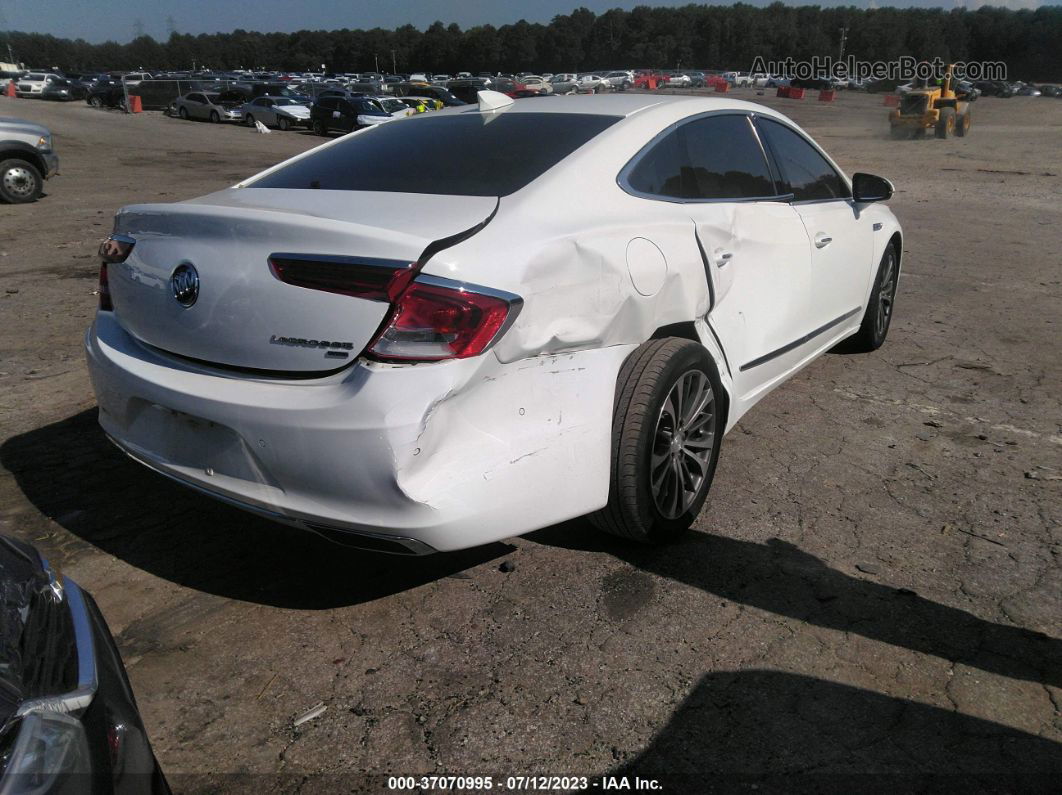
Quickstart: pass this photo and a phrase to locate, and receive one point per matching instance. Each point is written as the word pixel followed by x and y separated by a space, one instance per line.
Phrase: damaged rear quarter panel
pixel 577 289
pixel 527 439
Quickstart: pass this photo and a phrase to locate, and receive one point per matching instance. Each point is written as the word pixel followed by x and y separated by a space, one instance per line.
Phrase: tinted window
pixel 464 155
pixel 716 157
pixel 806 173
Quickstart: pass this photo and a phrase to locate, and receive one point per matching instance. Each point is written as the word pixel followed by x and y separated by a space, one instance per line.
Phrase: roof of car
pixel 620 104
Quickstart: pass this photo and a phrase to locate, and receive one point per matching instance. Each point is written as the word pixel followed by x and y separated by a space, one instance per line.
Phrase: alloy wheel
pixel 683 444
pixel 885 294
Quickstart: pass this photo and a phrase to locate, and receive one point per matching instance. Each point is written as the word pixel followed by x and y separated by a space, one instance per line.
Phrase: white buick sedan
pixel 432 335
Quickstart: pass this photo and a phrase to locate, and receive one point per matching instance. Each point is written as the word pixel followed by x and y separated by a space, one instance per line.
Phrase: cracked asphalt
pixel 872 597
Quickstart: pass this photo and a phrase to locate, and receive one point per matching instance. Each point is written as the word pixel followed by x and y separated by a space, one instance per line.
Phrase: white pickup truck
pixel 26 160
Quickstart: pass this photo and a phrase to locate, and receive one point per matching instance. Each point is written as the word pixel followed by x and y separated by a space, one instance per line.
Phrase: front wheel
pixel 215 117
pixel 284 123
pixel 946 123
pixel 96 102
pixel 319 129
pixel 249 120
pixel 20 181
pixel 666 431
pixel 183 113
pixel 878 314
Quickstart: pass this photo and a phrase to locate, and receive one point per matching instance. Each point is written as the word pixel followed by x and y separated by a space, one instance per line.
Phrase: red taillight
pixel 104 290
pixel 371 280
pixel 435 320
pixel 114 249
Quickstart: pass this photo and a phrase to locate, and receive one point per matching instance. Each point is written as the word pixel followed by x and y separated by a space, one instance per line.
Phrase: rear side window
pixel 805 173
pixel 714 157
pixel 466 154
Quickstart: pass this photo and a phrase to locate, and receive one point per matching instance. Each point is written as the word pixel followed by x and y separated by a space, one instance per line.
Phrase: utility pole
pixel 377 59
pixel 394 63
pixel 844 38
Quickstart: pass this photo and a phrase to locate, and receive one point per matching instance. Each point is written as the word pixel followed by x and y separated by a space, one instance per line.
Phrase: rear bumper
pixel 429 457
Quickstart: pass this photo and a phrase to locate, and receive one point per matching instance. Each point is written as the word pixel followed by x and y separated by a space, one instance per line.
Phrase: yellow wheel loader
pixel 932 107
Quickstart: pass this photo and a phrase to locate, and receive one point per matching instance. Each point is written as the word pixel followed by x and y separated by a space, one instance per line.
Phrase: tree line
pixel 691 36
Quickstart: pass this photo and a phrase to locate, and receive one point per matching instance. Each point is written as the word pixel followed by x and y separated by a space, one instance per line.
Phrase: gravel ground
pixel 873 587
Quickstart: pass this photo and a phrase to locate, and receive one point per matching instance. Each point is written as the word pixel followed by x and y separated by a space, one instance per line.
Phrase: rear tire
pixel 666 430
pixel 20 181
pixel 878 315
pixel 946 123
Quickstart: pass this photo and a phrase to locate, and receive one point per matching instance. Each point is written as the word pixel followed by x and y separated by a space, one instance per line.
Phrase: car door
pixel 324 111
pixel 348 115
pixel 265 108
pixel 193 103
pixel 755 251
pixel 841 237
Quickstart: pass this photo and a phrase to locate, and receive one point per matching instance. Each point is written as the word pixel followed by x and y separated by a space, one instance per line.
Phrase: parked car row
pixel 161 91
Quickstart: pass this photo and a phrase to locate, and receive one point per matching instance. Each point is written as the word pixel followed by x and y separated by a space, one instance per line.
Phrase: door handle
pixel 822 240
pixel 722 257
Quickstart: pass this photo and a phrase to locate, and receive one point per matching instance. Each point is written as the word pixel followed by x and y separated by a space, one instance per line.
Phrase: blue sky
pixel 98 20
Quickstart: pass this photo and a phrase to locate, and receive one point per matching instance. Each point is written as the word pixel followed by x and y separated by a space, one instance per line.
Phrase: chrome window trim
pixel 771 165
pixel 623 178
pixel 829 160
pixel 87 678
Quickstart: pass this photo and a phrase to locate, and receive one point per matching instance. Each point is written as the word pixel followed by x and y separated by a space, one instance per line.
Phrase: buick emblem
pixel 185 284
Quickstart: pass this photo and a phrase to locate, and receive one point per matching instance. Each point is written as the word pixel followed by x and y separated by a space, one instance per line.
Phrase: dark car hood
pixel 38 655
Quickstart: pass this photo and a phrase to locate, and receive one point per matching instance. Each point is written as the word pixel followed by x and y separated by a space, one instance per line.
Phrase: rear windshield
pixel 466 154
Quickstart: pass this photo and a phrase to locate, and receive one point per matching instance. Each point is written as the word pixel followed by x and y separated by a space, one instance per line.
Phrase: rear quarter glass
pixel 459 155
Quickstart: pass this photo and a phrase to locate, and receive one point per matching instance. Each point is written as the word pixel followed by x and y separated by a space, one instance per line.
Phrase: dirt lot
pixel 873 587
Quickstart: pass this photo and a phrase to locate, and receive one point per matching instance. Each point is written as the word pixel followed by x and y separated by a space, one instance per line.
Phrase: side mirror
pixel 868 188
